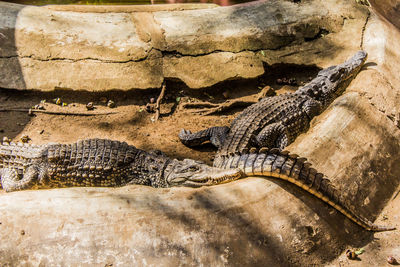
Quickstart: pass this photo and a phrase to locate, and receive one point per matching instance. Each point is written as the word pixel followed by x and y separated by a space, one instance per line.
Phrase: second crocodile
pixel 275 122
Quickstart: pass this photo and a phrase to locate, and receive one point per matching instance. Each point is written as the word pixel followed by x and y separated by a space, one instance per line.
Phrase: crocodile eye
pixel 193 168
pixel 336 76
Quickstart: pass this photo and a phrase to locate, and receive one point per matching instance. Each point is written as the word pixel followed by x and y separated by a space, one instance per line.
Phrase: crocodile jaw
pixel 213 177
pixel 195 174
pixel 341 75
pixel 331 82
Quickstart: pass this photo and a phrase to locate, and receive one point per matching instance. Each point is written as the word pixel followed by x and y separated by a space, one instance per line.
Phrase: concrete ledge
pixel 174 40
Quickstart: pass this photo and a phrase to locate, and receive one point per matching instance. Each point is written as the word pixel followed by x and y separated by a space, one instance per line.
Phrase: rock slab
pixel 87 48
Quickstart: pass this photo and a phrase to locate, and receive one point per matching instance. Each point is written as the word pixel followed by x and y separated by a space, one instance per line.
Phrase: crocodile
pixel 275 122
pixel 282 165
pixel 107 163
pixel 100 163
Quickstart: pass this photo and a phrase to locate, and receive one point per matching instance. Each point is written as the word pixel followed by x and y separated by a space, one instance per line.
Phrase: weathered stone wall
pixel 46 48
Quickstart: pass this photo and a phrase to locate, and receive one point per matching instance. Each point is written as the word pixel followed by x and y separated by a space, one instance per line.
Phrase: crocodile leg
pixel 10 178
pixel 312 108
pixel 273 136
pixel 216 135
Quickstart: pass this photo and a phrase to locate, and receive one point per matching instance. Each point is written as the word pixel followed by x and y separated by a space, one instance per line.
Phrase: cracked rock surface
pixel 47 48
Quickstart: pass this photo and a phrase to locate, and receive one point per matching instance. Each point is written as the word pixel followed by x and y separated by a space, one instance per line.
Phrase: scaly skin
pixel 275 122
pixel 106 163
pixel 100 162
pixel 297 171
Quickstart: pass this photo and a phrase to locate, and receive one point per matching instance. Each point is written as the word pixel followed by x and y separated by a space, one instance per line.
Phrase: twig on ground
pixel 207 108
pixel 158 102
pixel 211 108
pixel 31 111
pixel 395 195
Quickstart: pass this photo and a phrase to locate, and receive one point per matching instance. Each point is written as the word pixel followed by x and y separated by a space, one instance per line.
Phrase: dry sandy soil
pixel 131 122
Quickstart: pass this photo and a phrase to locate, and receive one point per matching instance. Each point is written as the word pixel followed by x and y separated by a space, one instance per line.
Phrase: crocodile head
pixel 193 173
pixel 331 82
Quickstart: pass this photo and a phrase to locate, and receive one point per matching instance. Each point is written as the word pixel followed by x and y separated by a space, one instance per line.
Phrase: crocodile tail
pixel 296 170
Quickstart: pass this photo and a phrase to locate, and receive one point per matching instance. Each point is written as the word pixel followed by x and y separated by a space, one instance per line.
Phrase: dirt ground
pixel 130 121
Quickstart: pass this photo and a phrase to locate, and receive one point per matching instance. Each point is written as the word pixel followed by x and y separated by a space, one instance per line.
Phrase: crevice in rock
pixel 171 53
pixel 76 60
pixel 6 57
pixel 177 54
pixel 363 30
pixel 165 53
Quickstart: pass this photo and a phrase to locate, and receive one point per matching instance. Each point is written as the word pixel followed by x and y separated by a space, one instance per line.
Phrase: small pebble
pixel 286 81
pixel 39 106
pixel 22 232
pixel 152 100
pixel 351 254
pixel 25 139
pixel 90 106
pixel 392 260
pixel 266 91
pixel 292 81
pixel 6 140
pixel 150 107
pixel 225 94
pixel 111 104
pixel 58 101
pixel 41 132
